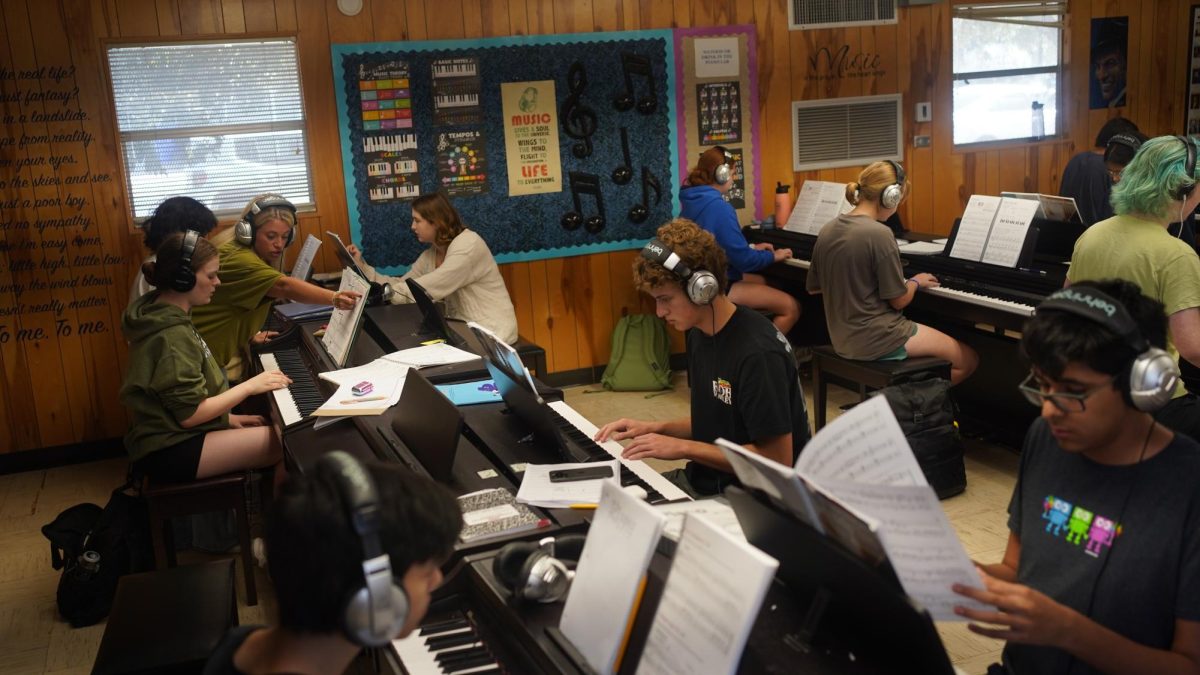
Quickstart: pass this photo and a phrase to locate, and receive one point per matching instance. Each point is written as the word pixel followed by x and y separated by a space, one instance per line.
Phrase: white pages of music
pixel 304 260
pixel 817 203
pixel 343 323
pixel 610 577
pixel 709 603
pixel 993 229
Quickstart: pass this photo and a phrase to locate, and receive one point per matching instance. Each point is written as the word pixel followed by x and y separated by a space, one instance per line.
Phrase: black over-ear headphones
pixel 892 194
pixel 724 171
pixel 1153 374
pixel 701 285
pixel 375 612
pixel 184 278
pixel 1189 166
pixel 539 571
pixel 244 231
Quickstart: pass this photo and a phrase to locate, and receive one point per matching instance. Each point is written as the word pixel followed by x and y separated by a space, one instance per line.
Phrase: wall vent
pixel 808 14
pixel 846 131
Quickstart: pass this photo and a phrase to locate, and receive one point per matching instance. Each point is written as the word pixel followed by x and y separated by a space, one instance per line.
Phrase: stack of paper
pixel 440 354
pixel 384 394
pixel 538 490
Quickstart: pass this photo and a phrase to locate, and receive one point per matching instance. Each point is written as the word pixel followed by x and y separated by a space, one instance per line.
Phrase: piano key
pixel 798 262
pixel 466 653
pixel 1020 309
pixel 648 478
pixel 299 399
pixel 288 412
pixel 443 626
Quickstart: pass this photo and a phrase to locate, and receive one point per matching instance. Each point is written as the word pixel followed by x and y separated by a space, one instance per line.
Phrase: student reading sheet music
pixel 862 462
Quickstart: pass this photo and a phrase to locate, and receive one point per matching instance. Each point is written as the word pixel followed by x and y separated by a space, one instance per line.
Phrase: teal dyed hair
pixel 1152 178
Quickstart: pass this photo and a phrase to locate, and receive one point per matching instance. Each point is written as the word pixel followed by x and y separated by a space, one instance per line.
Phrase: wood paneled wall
pixel 62 388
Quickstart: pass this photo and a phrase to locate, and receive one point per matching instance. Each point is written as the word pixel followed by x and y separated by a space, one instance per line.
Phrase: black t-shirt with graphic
pixel 1071 513
pixel 745 387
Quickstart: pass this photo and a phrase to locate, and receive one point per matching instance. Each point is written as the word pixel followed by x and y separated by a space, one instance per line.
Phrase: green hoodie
pixel 171 372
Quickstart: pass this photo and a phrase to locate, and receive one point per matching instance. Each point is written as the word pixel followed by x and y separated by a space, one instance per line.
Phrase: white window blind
pixel 217 121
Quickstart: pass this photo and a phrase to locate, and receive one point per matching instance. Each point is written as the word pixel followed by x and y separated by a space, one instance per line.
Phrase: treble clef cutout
pixel 636 64
pixel 578 120
pixel 584 184
pixel 638 213
pixel 624 173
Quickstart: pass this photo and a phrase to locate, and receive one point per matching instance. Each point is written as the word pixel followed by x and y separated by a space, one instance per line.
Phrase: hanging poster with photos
pixel 1191 112
pixel 737 194
pixel 456 92
pixel 461 166
pixel 719 114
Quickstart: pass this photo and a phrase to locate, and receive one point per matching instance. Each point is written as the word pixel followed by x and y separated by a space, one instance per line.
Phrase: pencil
pixel 584 506
pixel 351 401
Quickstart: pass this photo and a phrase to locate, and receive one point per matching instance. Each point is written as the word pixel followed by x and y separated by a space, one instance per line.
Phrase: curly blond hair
pixel 696 247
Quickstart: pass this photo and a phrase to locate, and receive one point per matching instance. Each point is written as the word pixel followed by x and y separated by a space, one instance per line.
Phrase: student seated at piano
pixel 173 215
pixel 1157 188
pixel 856 268
pixel 1102 569
pixel 1088 176
pixel 250 282
pixel 457 269
pixel 745 385
pixel 702 199
pixel 177 395
pixel 319 545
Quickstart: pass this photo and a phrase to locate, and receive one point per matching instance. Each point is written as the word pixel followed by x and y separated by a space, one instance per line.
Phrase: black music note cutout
pixel 584 184
pixel 578 120
pixel 624 173
pixel 640 212
pixel 636 64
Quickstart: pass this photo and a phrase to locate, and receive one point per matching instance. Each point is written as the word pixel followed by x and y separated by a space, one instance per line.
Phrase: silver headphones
pixel 376 612
pixel 892 194
pixel 245 229
pixel 701 285
pixel 724 172
pixel 1153 375
pixel 539 571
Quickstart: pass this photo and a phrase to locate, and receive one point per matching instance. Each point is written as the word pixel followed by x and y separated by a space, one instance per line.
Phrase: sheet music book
pixel 344 403
pixel 993 230
pixel 867 492
pixel 304 261
pixel 817 203
pixel 343 323
pixel 1050 207
pixel 709 603
pixel 607 588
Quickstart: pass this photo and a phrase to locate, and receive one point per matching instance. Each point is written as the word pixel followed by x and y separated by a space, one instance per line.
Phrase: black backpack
pixel 94 547
pixel 925 412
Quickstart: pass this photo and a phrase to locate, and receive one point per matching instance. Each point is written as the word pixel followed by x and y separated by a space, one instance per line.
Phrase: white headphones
pixel 892 194
pixel 701 285
pixel 724 172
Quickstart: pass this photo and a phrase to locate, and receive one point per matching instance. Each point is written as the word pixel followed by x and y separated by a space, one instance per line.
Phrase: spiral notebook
pixel 495 513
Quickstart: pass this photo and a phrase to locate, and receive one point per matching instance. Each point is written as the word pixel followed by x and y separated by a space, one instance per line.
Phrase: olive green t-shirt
pixel 856 267
pixel 240 305
pixel 1141 251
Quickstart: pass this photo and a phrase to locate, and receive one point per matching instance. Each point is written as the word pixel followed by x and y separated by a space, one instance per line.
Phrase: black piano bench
pixel 863 376
pixel 219 493
pixel 168 621
pixel 533 356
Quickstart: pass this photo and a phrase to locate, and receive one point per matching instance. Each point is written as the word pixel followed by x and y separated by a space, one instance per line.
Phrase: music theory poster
pixel 456 92
pixel 531 137
pixel 391 166
pixel 461 165
pixel 385 96
pixel 719 113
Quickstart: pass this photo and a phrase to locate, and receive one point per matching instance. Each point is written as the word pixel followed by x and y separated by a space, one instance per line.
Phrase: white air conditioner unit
pixel 849 131
pixel 808 14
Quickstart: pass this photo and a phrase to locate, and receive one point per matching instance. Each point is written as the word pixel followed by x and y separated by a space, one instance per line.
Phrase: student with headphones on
pixel 173 215
pixel 856 267
pixel 354 552
pixel 702 198
pixel 179 401
pixel 250 281
pixel 745 385
pixel 1089 176
pixel 1102 569
pixel 1157 188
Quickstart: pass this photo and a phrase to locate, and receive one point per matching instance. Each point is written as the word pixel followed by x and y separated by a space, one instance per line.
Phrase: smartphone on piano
pixel 582 473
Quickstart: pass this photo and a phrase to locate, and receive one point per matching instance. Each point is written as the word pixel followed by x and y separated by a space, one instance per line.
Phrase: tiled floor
pixel 34 640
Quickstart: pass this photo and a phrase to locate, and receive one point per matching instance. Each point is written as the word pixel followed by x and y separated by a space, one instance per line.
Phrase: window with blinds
pixel 850 131
pixel 1007 60
pixel 217 121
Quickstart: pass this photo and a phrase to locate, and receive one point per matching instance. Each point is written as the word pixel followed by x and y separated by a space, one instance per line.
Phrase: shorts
pixel 899 353
pixel 175 463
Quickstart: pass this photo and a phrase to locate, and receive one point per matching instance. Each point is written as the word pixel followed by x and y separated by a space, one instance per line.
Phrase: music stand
pixel 429 424
pixel 433 322
pixel 379 293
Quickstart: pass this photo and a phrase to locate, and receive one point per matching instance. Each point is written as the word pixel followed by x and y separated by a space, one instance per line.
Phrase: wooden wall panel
pixel 62 389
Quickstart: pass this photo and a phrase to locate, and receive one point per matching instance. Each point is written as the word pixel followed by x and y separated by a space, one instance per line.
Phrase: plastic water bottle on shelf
pixel 1039 121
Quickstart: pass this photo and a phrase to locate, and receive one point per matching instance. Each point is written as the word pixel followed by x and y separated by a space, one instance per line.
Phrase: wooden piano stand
pixel 863 376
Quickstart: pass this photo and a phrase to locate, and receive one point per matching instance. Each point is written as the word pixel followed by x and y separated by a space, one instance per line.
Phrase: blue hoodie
pixel 704 205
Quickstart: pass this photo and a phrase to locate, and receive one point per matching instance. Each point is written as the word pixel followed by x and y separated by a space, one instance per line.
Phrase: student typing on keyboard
pixel 856 268
pixel 745 385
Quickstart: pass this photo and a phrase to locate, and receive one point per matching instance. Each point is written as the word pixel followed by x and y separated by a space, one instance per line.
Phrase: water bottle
pixel 1039 121
pixel 783 203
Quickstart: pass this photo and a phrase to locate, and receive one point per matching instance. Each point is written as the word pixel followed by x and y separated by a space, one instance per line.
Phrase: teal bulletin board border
pixel 338 51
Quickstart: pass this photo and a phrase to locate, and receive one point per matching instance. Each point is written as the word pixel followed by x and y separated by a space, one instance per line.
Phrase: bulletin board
pixel 416 117
pixel 717 104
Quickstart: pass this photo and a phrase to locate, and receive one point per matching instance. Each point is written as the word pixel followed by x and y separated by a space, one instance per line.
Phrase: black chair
pixel 865 376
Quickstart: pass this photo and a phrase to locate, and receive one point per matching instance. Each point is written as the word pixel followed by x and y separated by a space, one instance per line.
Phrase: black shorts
pixel 175 463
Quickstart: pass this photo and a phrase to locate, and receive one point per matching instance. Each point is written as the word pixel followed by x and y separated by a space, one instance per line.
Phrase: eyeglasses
pixel 1065 401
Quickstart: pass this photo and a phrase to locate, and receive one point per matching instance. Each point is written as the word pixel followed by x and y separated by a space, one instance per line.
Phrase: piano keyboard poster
pixel 457 116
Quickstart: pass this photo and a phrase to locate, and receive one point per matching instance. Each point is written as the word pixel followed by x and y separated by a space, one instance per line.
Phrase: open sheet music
pixel 858 483
pixel 994 229
pixel 818 203
pixel 343 323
